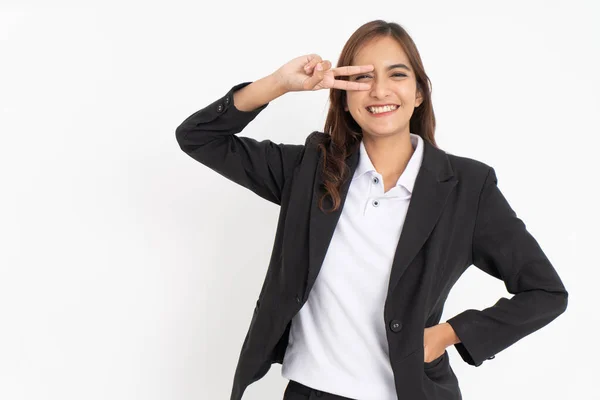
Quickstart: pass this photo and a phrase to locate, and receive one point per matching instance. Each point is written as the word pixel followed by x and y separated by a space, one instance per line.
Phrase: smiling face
pixel 396 86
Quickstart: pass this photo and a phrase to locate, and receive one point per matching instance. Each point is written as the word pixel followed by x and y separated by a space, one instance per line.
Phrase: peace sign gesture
pixel 303 73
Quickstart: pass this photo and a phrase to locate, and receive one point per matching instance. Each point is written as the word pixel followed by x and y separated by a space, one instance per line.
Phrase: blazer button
pixel 395 325
pixel 220 108
pixel 491 357
pixel 226 100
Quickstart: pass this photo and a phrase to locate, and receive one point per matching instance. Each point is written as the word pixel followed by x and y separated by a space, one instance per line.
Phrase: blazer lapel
pixel 435 180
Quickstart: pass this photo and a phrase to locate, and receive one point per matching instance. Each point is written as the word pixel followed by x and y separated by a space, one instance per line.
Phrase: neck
pixel 389 154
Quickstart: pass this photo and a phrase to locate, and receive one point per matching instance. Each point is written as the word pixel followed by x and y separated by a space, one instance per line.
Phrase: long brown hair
pixel 342 133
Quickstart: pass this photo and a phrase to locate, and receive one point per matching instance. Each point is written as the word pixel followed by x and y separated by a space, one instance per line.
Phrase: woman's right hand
pixel 302 73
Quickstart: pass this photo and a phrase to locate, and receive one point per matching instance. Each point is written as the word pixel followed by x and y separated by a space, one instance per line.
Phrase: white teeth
pixel 377 110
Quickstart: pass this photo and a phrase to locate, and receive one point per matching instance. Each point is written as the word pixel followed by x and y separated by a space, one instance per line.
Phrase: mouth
pixel 382 111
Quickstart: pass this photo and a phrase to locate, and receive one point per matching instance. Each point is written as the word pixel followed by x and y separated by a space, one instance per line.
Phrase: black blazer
pixel 457 217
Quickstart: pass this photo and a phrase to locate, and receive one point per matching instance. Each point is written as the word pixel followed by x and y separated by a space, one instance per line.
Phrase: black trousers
pixel 297 391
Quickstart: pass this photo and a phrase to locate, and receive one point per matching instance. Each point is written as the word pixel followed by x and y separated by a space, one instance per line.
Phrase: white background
pixel 130 271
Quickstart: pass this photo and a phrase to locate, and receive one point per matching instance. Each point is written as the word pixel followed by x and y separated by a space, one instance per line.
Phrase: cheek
pixel 354 106
pixel 408 95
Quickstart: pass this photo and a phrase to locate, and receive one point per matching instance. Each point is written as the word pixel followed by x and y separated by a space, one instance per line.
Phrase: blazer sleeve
pixel 502 247
pixel 209 137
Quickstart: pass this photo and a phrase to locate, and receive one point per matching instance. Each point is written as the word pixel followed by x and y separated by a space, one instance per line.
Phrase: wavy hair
pixel 342 133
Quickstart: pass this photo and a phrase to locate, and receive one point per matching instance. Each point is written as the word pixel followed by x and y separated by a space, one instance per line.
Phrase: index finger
pixel 351 69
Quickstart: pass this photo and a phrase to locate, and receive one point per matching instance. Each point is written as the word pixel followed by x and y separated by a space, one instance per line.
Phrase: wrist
pixel 277 84
pixel 451 336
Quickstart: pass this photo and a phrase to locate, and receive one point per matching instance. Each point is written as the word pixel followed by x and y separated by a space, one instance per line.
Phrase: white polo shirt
pixel 338 340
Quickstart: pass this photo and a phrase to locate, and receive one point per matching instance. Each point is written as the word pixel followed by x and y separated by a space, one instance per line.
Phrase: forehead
pixel 381 50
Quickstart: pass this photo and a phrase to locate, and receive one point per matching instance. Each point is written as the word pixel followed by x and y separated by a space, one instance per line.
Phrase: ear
pixel 418 99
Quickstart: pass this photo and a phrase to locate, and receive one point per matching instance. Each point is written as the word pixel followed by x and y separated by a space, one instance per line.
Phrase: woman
pixel 376 225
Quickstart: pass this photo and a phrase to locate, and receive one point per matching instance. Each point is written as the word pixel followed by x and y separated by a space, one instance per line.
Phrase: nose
pixel 379 88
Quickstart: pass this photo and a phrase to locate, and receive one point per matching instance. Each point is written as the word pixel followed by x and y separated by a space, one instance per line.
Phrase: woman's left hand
pixel 436 339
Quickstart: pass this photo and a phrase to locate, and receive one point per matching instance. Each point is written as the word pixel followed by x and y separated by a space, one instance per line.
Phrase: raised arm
pixel 209 137
pixel 503 248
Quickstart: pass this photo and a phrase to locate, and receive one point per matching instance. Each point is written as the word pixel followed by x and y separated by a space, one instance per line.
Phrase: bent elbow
pixel 563 301
pixel 180 135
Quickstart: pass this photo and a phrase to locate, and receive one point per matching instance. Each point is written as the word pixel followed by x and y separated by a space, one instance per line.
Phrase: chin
pixel 382 130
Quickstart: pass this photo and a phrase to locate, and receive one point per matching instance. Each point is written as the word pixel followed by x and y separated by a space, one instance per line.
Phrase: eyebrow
pixel 397 66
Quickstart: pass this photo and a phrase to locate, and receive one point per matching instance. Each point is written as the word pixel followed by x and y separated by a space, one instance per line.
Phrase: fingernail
pixel 319 67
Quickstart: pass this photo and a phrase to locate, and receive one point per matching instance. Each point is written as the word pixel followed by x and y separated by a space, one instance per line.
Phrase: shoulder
pixel 314 138
pixel 469 170
pixel 463 163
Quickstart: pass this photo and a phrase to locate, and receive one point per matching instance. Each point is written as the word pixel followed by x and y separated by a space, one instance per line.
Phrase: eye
pixel 360 76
